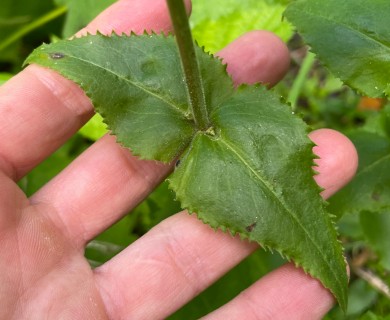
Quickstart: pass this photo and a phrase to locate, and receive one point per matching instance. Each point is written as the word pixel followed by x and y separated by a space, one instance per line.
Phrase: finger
pixel 83 194
pixel 98 188
pixel 286 293
pixel 181 257
pixel 137 16
pixel 263 58
pixel 342 169
pixel 172 262
pixel 40 110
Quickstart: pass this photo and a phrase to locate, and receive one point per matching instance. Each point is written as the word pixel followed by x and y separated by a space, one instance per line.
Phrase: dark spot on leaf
pixel 148 66
pixel 251 227
pixel 56 55
pixel 177 163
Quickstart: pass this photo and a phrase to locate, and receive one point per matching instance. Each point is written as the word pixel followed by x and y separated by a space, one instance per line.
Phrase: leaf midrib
pixel 242 159
pixel 135 84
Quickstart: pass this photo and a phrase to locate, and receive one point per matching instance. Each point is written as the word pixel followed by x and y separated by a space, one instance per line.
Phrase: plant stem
pixel 375 281
pixel 32 26
pixel 300 79
pixel 189 62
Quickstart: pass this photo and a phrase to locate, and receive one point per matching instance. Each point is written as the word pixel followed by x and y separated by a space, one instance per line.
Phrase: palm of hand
pixel 44 275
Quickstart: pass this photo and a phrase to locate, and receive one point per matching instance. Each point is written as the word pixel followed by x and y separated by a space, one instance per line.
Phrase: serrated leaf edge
pixel 285 255
pixel 193 210
pixel 347 82
pixel 135 153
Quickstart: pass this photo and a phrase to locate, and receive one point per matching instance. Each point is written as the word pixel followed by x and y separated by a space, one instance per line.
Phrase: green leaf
pixel 349 226
pixel 370 188
pixel 94 129
pixel 351 37
pixel 250 159
pixel 249 172
pixel 80 13
pixel 371 316
pixel 379 122
pixel 16 14
pixel 140 84
pixel 214 26
pixel 14 17
pixel 376 228
pixel 4 77
pixel 361 297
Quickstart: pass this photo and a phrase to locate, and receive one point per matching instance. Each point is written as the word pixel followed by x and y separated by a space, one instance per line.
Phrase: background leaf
pixel 370 188
pixel 4 77
pixel 80 13
pixel 94 129
pixel 215 25
pixel 371 316
pixel 351 37
pixel 16 14
pixel 159 205
pixel 376 228
pixel 361 297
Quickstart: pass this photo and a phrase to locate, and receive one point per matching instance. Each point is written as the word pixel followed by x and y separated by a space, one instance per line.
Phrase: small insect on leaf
pixel 251 227
pixel 56 55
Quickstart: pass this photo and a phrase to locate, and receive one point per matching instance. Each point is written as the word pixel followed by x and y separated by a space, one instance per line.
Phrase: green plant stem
pixel 32 26
pixel 300 79
pixel 189 61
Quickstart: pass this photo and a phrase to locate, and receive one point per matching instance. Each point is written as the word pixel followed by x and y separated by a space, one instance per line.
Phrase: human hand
pixel 43 272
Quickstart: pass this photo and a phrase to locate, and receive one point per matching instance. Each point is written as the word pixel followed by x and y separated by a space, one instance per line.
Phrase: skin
pixel 43 272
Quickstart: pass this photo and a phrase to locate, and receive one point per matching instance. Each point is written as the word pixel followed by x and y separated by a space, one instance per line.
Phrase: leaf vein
pixel 242 159
pixel 135 84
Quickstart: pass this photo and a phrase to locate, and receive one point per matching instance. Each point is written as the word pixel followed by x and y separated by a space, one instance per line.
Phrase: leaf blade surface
pixel 370 188
pixel 99 64
pixel 237 165
pixel 351 37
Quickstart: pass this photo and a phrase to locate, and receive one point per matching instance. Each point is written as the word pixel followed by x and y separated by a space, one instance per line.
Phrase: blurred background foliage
pixel 362 208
